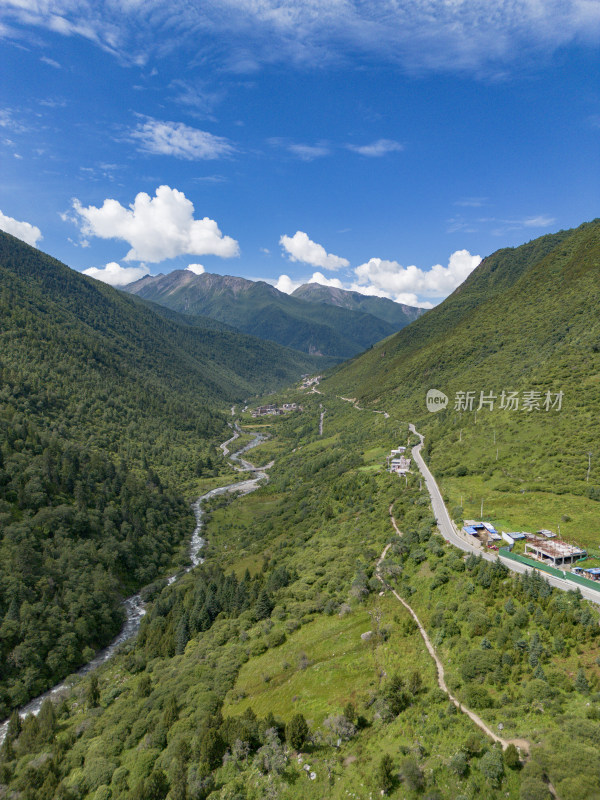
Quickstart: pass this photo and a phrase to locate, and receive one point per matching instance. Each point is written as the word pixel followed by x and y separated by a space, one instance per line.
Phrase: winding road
pixel 450 533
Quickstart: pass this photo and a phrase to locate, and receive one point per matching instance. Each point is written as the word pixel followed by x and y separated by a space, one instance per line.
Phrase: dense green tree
pixel 385 774
pixel 93 691
pixel 296 731
pixel 511 757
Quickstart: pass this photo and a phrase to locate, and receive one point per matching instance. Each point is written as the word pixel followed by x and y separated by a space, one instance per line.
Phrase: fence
pixel 570 576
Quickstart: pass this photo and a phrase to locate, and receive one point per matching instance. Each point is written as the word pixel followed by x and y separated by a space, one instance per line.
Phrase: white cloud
pixel 116 275
pixel 22 230
pixel 157 227
pixel 377 149
pixel 406 298
pixel 300 248
pixel 197 269
pixel 425 34
pixel 286 285
pixel 411 282
pixel 541 221
pixel 51 62
pixel 179 140
pixel 318 277
pixel 308 152
pixel 305 152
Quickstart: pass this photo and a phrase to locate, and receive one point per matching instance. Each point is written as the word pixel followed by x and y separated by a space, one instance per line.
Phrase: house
pixel 400 465
pixel 556 553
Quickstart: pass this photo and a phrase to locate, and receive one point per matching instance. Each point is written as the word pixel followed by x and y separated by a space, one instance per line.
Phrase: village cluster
pixel 307 381
pixel 273 410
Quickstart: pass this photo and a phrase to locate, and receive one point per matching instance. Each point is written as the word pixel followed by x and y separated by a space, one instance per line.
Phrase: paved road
pixel 450 535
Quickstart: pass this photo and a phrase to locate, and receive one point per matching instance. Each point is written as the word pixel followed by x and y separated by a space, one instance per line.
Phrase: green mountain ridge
pixel 282 667
pixel 524 321
pixel 397 314
pixel 109 411
pixel 259 309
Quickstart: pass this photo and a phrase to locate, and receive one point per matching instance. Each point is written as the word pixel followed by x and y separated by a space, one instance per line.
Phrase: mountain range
pixel 109 408
pixel 325 322
pixel 281 666
pixel 397 314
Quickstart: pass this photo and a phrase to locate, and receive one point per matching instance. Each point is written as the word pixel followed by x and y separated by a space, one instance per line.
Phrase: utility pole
pixel 587 477
pixel 460 436
pixel 494 437
pixel 482 508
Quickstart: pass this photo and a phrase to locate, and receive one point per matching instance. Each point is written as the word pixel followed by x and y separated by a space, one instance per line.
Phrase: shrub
pixel 511 757
pixel 413 775
pixel 492 766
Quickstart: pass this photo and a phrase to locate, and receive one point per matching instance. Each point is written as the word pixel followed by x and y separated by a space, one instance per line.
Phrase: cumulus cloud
pixel 197 269
pixel 377 149
pixel 22 230
pixel 300 248
pixel 287 285
pixel 156 227
pixel 401 283
pixel 179 140
pixel 318 277
pixel 116 275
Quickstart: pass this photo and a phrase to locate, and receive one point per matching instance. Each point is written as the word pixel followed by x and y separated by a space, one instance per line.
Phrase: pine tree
pixel 581 683
pixel 47 720
pixel 93 692
pixel 14 726
pixel 182 636
pixel 264 605
pixel 385 774
pixel 296 731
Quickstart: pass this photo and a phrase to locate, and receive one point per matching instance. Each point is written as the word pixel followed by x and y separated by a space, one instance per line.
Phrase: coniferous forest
pixel 107 410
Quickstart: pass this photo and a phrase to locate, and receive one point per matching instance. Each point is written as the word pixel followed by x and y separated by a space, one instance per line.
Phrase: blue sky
pixel 382 147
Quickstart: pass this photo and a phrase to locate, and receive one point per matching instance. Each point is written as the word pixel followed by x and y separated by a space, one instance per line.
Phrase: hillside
pixel 259 309
pixel 108 413
pixel 282 668
pixel 397 314
pixel 524 321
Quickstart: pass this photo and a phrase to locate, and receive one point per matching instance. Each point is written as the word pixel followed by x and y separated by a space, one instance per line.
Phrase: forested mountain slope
pixel 397 314
pixel 526 320
pixel 107 410
pixel 259 309
pixel 282 668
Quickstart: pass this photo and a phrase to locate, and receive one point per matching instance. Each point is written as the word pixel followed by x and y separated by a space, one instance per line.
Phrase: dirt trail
pixel 522 744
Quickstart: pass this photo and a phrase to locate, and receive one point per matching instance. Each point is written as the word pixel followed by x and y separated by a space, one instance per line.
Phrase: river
pixel 134 605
